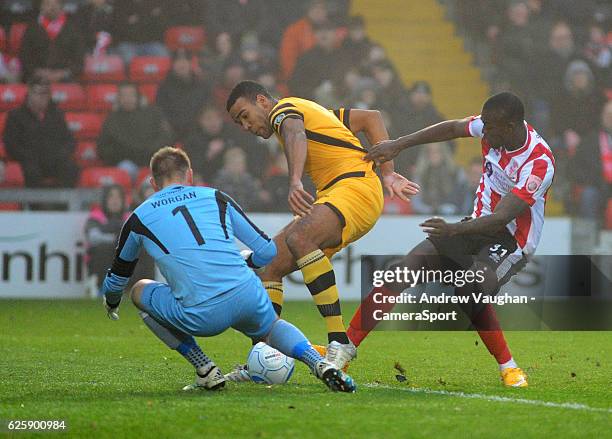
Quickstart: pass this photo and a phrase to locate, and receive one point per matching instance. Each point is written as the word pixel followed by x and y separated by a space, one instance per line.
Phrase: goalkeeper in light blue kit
pixel 190 232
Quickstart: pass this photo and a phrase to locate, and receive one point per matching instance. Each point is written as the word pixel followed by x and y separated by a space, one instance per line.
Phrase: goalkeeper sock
pixel 363 320
pixel 288 339
pixel 179 341
pixel 275 291
pixel 319 277
pixel 491 334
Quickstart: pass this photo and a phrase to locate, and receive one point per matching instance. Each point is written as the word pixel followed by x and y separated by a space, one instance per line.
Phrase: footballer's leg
pixel 282 265
pixel 484 318
pixel 322 228
pixel 208 375
pixel 424 255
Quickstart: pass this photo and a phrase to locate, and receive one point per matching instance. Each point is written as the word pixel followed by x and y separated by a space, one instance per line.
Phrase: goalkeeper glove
pixel 247 255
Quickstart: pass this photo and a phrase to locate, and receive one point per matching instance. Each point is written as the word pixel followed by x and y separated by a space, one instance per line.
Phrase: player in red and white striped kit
pixel 505 227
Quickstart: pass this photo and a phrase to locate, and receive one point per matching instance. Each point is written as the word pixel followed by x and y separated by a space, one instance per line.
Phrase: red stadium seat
pixel 12 96
pixel 84 126
pixel 185 37
pixel 2 40
pixel 3 153
pixel 396 206
pixel 106 68
pixel 101 97
pixel 149 91
pixel 15 37
pixel 2 122
pixel 149 68
pixel 104 175
pixel 86 155
pixel 69 97
pixel 13 175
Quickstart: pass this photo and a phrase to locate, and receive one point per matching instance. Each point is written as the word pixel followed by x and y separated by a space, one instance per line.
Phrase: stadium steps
pixel 423 45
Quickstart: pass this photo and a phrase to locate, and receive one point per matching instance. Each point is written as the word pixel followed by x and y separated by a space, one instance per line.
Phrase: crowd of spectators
pixel 310 49
pixel 557 55
pixel 558 60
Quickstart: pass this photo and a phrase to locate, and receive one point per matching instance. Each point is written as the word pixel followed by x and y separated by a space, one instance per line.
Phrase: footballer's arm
pixel 509 208
pixel 371 123
pixel 440 132
pixel 124 263
pixel 296 148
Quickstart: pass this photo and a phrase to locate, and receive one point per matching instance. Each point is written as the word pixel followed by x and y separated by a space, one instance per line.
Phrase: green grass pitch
pixel 66 360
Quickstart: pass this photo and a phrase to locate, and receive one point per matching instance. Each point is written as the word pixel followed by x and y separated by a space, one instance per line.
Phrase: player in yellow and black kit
pixel 349 197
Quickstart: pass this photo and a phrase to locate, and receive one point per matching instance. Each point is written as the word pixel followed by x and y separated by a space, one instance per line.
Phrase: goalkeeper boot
pixel 334 378
pixel 207 378
pixel 514 377
pixel 240 374
pixel 340 354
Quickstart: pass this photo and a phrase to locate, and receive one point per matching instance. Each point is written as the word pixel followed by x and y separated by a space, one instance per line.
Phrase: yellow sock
pixel 275 291
pixel 319 277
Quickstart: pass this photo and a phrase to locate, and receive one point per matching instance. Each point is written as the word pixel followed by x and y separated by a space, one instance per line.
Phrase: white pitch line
pixel 563 405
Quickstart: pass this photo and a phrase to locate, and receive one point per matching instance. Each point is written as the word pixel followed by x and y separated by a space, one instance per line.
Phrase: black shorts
pixel 498 251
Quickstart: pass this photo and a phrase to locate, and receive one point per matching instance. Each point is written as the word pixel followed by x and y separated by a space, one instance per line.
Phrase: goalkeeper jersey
pixel 190 232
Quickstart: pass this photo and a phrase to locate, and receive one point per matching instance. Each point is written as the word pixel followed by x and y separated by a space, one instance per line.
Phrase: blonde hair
pixel 168 163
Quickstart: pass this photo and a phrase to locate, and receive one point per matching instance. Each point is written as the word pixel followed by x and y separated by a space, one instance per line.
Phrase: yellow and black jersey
pixel 334 153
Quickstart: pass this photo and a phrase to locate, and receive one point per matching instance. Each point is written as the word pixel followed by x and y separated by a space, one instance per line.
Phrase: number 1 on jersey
pixel 190 222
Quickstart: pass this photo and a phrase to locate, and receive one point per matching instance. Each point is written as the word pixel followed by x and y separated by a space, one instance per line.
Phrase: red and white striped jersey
pixel 526 172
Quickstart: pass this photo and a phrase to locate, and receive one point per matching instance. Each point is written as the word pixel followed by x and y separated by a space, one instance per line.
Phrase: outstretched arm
pixel 440 132
pixel 122 268
pixel 296 149
pixel 370 122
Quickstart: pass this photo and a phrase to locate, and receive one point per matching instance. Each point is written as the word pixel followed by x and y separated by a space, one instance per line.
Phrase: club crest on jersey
pixel 533 183
pixel 278 120
pixel 511 168
pixel 489 168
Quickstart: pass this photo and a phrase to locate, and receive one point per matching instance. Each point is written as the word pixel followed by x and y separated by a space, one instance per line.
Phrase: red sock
pixel 492 336
pixel 363 322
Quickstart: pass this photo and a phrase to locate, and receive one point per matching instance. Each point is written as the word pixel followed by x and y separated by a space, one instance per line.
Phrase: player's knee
pixel 296 240
pixel 136 291
pixel 487 281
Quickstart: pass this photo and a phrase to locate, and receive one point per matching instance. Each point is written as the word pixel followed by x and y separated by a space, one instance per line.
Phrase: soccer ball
pixel 266 365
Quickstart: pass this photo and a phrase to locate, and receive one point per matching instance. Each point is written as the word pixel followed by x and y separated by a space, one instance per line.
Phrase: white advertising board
pixel 42 254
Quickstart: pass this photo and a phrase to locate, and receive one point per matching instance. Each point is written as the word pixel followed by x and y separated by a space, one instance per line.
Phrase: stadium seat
pixel 396 206
pixel 84 126
pixel 106 68
pixel 101 97
pixel 15 37
pixel 13 175
pixel 12 96
pixel 2 122
pixel 609 214
pixel 86 155
pixel 2 40
pixel 149 68
pixel 3 153
pixel 185 37
pixel 149 91
pixel 104 175
pixel 69 97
